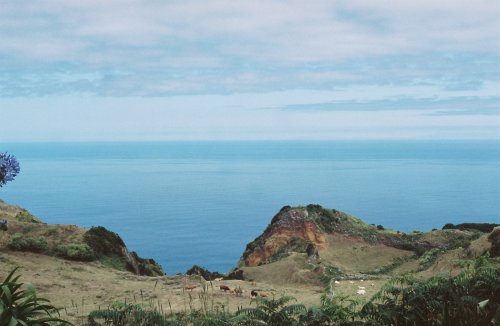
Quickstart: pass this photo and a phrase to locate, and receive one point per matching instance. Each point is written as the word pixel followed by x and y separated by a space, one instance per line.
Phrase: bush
pixel 76 251
pixel 104 242
pixel 21 243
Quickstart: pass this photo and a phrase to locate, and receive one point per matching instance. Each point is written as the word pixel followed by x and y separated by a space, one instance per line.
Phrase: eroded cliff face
pixel 308 230
pixel 300 229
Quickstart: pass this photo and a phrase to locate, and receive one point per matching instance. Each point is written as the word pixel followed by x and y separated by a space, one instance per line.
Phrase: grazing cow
pixel 224 288
pixel 361 292
pixel 218 279
pixel 263 295
pixel 254 293
pixel 238 291
pixel 190 287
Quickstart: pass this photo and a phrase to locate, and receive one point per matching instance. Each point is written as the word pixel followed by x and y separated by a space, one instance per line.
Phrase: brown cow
pixel 224 288
pixel 190 287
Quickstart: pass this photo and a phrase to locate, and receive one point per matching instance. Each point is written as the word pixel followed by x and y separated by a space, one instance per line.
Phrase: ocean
pixel 186 203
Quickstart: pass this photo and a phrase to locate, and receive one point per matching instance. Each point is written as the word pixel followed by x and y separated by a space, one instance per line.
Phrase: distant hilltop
pixel 312 243
pixel 27 233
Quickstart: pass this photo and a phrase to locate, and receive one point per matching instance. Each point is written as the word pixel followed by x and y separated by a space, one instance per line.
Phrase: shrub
pixel 76 251
pixel 21 243
pixel 104 242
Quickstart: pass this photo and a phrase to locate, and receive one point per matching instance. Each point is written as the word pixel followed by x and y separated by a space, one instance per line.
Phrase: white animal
pixel 337 282
pixel 361 292
pixel 351 282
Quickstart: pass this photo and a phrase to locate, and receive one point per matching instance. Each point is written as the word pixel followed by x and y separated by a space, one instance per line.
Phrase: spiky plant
pixel 22 307
pixel 271 312
pixel 128 315
pixel 440 300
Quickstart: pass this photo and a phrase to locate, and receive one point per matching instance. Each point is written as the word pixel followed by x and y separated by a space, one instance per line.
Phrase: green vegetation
pixel 331 272
pixel 470 298
pixel 123 314
pixel 428 258
pixel 75 251
pixel 326 219
pixel 20 306
pixel 103 242
pixel 19 242
pixel 25 216
pixel 272 312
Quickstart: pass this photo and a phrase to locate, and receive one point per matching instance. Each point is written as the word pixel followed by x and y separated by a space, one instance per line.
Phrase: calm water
pixel 202 202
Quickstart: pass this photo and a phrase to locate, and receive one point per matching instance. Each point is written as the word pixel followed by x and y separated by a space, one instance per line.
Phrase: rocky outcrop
pixel 307 230
pixel 105 243
pixel 203 272
pixel 300 229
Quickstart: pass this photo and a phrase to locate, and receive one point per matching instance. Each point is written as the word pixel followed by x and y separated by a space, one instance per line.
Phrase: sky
pixel 124 70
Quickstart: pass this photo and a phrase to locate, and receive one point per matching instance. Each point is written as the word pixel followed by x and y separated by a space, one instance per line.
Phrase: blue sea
pixel 185 203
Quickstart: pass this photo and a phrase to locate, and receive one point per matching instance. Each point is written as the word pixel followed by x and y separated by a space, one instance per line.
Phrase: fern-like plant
pixel 271 312
pixel 128 315
pixel 23 307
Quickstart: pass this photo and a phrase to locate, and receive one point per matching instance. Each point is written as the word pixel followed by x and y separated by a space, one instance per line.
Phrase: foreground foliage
pixel 22 307
pixel 470 298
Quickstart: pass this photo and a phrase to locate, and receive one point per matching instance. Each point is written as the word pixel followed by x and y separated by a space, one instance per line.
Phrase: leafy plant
pixel 441 300
pixel 20 242
pixel 272 312
pixel 128 314
pixel 23 307
pixel 76 251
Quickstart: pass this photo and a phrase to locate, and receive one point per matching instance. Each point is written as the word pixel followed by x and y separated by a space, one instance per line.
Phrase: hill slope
pixel 314 244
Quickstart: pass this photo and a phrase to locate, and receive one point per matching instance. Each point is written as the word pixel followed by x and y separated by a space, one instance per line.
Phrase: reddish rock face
pixel 288 228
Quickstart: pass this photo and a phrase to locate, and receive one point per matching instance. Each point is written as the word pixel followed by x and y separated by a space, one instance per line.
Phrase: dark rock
pixel 483 227
pixel 494 238
pixel 236 274
pixel 203 272
pixel 106 243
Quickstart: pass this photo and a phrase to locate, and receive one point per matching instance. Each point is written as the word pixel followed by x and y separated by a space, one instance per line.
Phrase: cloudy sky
pixel 270 69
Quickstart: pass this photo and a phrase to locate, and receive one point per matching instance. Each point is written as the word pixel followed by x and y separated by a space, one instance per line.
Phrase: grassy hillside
pixel 333 257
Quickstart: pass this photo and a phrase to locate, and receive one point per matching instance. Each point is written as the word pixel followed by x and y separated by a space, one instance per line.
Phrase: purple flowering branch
pixel 9 168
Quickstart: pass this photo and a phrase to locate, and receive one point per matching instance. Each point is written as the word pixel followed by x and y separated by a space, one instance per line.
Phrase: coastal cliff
pixel 27 233
pixel 312 243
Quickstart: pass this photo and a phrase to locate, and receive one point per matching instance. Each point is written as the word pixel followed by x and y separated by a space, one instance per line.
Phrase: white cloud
pixel 261 54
